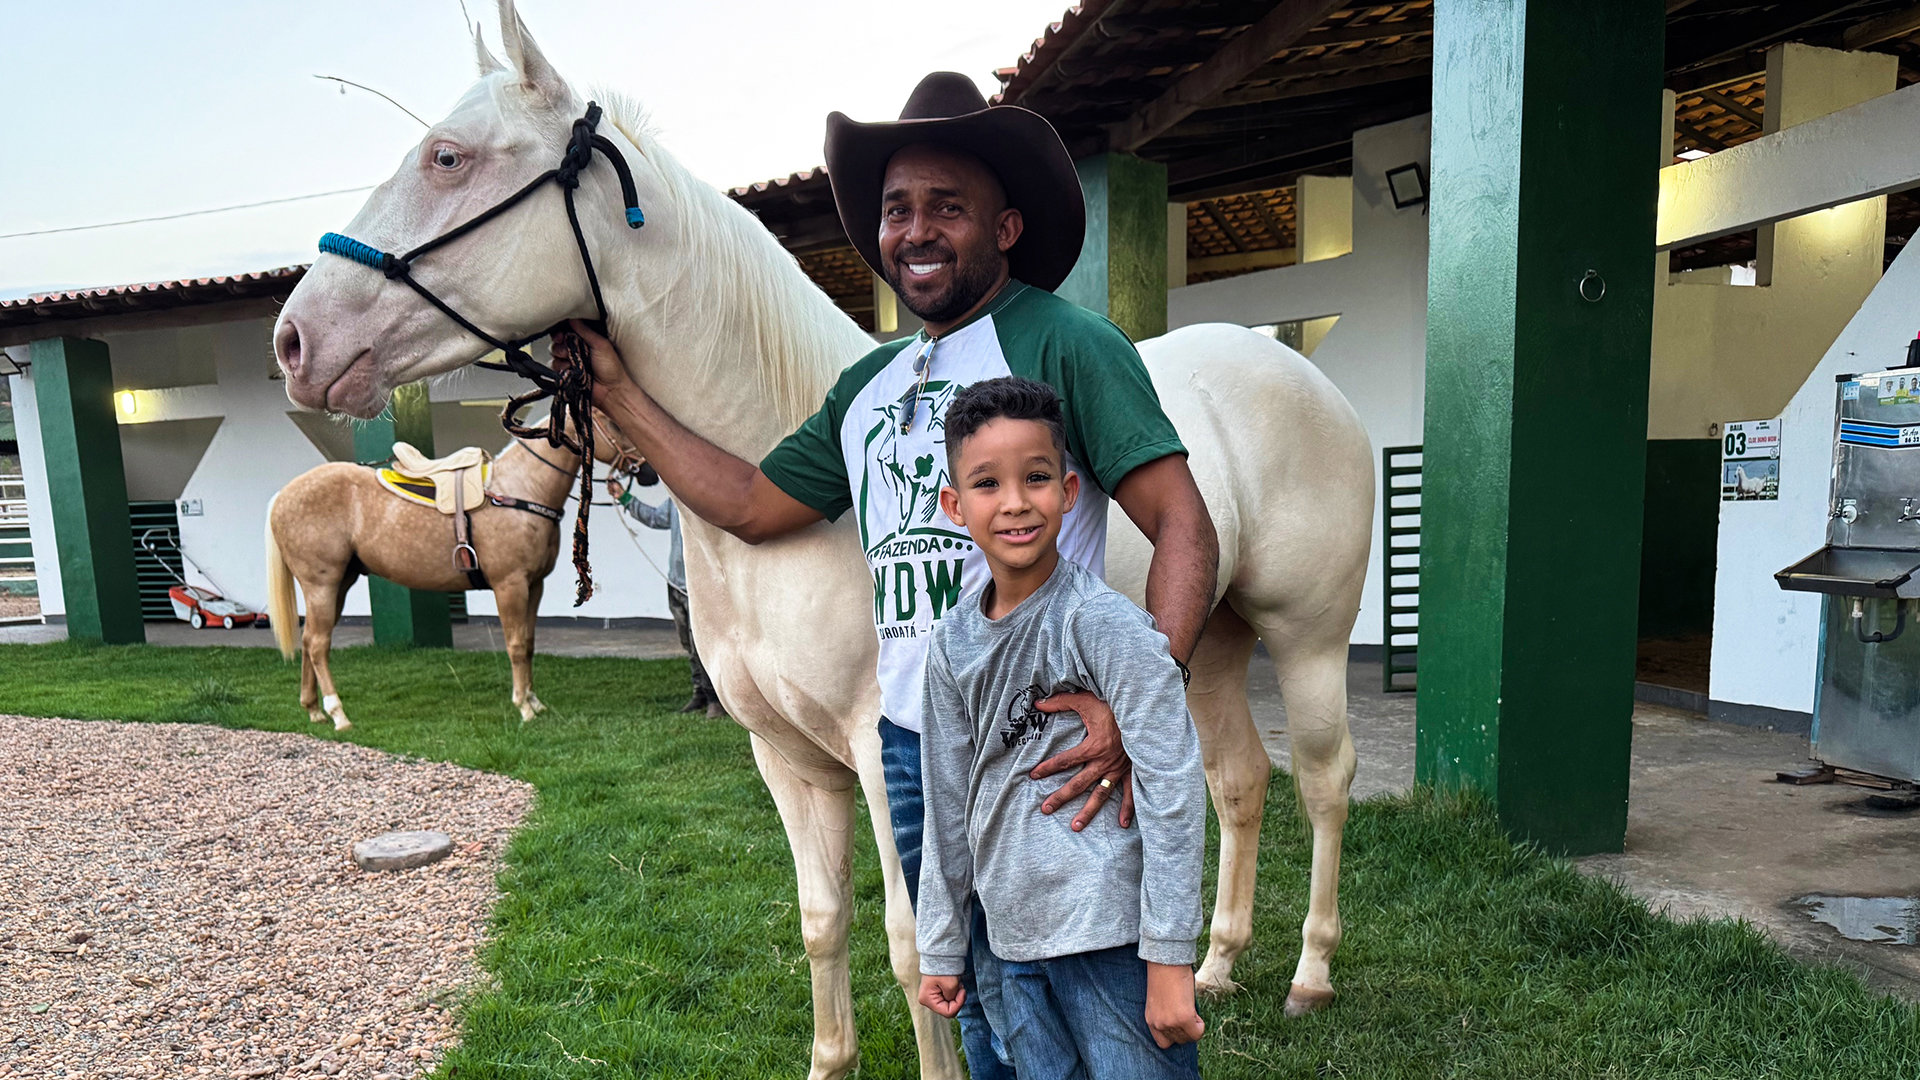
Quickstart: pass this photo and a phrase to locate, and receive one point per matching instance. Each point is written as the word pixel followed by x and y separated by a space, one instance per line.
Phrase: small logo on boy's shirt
pixel 1025 723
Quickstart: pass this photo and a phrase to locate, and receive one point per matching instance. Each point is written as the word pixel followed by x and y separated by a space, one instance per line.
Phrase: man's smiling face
pixel 945 229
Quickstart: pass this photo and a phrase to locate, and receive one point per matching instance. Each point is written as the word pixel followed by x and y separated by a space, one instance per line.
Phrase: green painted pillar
pixel 1122 272
pixel 1546 124
pixel 403 616
pixel 80 438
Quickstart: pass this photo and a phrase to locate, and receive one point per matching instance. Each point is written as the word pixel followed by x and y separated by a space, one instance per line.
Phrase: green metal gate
pixel 1400 567
pixel 156 572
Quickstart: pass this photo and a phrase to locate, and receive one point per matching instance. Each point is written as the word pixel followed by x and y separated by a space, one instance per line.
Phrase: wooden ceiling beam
pixel 1687 129
pixel 1896 24
pixel 1285 24
pixel 1750 32
pixel 1267 218
pixel 1744 112
pixel 1714 76
pixel 1220 221
pixel 1330 84
pixel 1351 60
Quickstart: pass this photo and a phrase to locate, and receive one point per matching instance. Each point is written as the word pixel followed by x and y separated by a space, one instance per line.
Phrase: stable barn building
pixel 1596 329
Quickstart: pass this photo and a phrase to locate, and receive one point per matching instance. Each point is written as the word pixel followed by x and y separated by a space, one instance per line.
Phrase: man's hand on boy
pixel 1099 756
pixel 1170 1012
pixel 944 994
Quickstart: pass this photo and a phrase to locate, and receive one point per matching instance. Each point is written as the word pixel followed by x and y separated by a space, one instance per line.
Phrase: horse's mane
pixel 800 340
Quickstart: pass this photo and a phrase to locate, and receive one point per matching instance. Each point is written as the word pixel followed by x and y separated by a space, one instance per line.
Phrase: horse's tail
pixel 280 606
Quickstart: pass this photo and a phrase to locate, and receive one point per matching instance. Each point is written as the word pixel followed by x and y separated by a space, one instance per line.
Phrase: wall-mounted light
pixel 1408 185
pixel 10 366
pixel 129 404
pixel 1691 155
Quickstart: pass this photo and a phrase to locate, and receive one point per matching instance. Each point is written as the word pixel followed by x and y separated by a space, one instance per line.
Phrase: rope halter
pixel 572 390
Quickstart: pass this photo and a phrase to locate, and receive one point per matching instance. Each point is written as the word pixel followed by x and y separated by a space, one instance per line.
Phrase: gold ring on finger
pixel 1106 784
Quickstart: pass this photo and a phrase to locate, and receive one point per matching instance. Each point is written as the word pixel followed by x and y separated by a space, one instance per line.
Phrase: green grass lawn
pixel 648 926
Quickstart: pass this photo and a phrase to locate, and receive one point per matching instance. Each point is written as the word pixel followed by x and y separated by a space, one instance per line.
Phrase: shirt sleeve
pixel 1130 667
pixel 653 515
pixel 808 464
pixel 1113 416
pixel 945 912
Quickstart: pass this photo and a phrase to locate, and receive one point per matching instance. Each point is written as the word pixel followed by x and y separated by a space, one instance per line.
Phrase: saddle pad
pixel 423 490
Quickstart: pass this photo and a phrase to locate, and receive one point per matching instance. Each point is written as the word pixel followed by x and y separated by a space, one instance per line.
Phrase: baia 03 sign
pixel 1750 460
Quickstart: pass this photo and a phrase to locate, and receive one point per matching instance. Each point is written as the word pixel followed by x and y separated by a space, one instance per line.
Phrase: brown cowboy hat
pixel 1018 145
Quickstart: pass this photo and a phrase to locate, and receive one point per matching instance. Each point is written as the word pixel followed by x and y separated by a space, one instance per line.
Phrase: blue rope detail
pixel 635 217
pixel 348 248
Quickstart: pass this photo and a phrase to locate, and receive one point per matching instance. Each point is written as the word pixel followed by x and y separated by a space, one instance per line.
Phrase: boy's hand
pixel 1170 1013
pixel 944 994
pixel 1099 756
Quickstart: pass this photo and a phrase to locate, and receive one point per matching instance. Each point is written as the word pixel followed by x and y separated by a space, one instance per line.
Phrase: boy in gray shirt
pixel 1095 929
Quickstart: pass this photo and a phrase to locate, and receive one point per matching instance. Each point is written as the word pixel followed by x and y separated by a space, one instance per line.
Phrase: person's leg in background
pixel 906 807
pixel 702 686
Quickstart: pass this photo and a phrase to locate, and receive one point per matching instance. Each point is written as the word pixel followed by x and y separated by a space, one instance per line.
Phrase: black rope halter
pixel 572 389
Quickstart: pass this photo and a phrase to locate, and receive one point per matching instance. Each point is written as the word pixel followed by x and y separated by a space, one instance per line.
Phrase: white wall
pixel 1376 353
pixel 1765 640
pixel 220 372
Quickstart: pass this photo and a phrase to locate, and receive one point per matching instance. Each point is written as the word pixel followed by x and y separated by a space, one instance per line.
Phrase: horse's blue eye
pixel 447 158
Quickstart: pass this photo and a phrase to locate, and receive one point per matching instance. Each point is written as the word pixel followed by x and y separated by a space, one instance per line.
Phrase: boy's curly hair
pixel 1009 396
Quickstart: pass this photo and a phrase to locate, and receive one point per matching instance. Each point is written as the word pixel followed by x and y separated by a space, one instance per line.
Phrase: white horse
pixel 720 325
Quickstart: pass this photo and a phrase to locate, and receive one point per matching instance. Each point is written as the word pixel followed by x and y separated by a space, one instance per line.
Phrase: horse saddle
pixel 450 484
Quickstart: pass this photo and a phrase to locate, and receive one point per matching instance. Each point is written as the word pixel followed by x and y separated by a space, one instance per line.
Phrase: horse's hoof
pixel 315 716
pixel 1302 1000
pixel 340 722
pixel 1216 986
pixel 1215 979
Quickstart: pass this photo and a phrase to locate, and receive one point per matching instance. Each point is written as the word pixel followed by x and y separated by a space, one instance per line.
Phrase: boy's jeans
pixel 1085 1015
pixel 980 1015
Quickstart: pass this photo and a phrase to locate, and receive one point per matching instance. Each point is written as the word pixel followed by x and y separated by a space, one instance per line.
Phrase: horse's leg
pixel 819 827
pixel 324 604
pixel 511 599
pixel 932 1034
pixel 309 687
pixel 1237 770
pixel 1313 680
pixel 535 589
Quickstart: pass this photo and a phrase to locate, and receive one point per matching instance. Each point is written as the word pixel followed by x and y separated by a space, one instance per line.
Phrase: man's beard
pixel 971 280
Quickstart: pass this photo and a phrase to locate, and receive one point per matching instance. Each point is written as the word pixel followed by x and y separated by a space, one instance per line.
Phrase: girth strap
pixel 511 503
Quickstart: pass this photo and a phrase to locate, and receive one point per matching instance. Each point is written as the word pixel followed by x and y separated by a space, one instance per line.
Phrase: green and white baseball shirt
pixel 852 455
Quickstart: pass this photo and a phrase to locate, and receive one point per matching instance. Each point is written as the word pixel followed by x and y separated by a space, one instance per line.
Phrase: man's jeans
pixel 1085 1015
pixel 981 1013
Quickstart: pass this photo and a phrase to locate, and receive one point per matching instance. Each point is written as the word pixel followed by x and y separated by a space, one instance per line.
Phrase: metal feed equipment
pixel 1866 711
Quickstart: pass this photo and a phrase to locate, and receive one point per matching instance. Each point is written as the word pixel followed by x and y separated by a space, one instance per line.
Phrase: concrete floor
pixel 1709 833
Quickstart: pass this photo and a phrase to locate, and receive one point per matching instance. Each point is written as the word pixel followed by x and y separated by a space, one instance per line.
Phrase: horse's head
pixel 349 334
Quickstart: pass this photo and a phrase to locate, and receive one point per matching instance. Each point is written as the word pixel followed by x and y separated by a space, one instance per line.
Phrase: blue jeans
pixel 980 1014
pixel 1084 1016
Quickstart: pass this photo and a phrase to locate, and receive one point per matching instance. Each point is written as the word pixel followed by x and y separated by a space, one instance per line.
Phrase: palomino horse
pixel 720 325
pixel 335 522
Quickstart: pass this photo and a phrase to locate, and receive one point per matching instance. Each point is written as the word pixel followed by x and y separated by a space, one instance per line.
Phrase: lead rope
pixel 572 389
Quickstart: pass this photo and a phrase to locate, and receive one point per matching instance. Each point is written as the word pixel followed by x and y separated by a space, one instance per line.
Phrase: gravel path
pixel 179 900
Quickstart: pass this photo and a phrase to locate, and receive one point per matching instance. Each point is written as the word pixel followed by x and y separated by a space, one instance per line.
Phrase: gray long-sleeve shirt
pixel 664 514
pixel 1047 890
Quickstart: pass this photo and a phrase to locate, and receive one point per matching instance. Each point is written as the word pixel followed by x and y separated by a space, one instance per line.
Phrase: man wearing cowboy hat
pixel 974 215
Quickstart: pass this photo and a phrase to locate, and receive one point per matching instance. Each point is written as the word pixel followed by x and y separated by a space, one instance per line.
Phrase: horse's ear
pixel 489 63
pixel 528 61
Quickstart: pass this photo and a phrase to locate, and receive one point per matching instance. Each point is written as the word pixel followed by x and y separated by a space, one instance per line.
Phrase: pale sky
pixel 132 109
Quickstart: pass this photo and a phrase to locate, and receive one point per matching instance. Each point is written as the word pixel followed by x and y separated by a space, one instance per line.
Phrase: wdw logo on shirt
pixel 910 593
